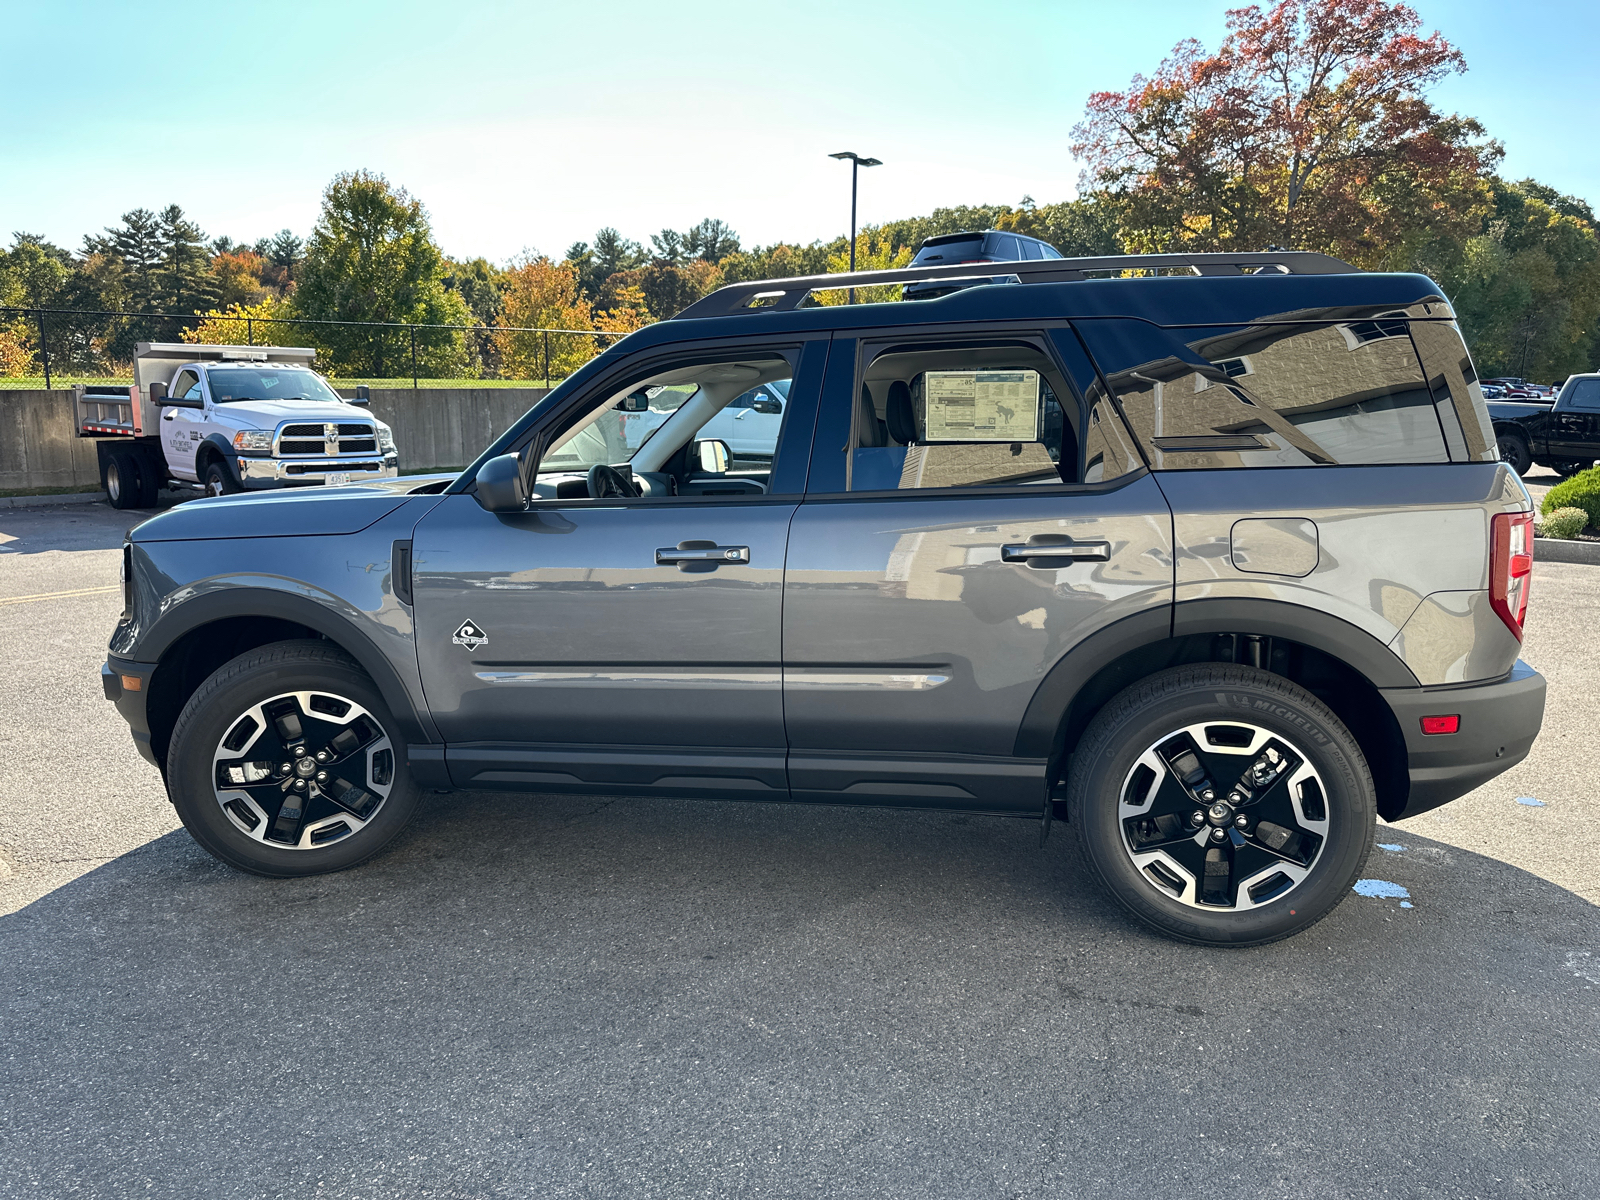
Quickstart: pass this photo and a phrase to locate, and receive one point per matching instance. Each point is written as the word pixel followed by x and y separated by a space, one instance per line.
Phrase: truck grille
pixel 313 438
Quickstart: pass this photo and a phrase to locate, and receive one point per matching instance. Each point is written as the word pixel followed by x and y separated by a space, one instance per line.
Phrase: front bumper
pixel 127 685
pixel 1499 722
pixel 279 472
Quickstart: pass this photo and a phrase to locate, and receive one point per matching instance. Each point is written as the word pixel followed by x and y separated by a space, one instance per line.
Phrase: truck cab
pixel 1564 436
pixel 224 419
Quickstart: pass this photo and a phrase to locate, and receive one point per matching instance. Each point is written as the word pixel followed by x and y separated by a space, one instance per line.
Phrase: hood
pixel 266 414
pixel 296 512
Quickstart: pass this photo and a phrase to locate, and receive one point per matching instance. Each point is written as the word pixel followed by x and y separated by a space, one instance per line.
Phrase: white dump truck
pixel 224 419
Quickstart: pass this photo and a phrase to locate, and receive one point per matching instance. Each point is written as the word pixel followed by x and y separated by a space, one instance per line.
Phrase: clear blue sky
pixel 532 125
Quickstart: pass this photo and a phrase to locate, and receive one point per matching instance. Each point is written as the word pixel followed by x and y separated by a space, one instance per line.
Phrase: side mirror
pixel 715 455
pixel 500 487
pixel 771 407
pixel 636 403
pixel 363 394
pixel 158 394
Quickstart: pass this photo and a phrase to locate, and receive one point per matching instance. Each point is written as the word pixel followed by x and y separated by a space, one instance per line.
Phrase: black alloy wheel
pixel 1222 804
pixel 1514 452
pixel 287 762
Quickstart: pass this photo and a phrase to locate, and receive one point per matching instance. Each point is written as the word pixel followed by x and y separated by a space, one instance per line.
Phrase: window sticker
pixel 982 406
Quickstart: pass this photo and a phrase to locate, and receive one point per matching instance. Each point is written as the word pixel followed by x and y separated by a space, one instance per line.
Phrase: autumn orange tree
pixel 1309 128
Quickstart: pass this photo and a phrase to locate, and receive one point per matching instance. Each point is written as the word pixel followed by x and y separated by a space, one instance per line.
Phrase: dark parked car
pixel 977 246
pixel 1564 436
pixel 1217 569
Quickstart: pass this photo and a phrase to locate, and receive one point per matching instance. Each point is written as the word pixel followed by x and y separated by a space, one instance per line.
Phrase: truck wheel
pixel 1514 452
pixel 287 762
pixel 124 479
pixel 217 480
pixel 1222 805
pixel 1569 467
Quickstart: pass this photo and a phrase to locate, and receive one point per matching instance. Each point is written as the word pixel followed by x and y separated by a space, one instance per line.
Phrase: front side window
pixel 974 416
pixel 706 429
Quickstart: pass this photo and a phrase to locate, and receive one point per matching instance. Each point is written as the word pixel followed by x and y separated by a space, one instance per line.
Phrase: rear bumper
pixel 1499 722
pixel 127 685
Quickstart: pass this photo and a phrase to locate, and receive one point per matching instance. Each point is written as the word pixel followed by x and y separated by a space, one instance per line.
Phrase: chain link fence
pixel 69 342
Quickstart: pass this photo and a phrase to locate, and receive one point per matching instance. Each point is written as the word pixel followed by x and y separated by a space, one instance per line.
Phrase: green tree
pixel 183 280
pixel 137 245
pixel 711 241
pixel 1527 287
pixel 372 258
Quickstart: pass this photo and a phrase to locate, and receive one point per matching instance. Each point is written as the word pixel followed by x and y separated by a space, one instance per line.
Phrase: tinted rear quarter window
pixel 951 252
pixel 1271 394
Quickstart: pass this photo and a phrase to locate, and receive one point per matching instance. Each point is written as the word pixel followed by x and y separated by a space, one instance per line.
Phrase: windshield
pixel 234 384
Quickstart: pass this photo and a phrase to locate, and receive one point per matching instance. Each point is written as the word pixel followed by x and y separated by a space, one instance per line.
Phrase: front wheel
pixel 1514 452
pixel 288 762
pixel 1222 805
pixel 218 481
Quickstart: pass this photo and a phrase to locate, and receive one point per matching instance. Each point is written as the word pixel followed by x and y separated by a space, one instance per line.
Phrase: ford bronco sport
pixel 1210 556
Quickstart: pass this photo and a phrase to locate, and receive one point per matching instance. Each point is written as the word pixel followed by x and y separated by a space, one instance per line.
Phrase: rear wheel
pixel 1222 805
pixel 1514 452
pixel 125 485
pixel 288 762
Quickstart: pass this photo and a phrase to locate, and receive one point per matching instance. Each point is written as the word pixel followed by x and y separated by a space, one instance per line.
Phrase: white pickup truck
pixel 224 419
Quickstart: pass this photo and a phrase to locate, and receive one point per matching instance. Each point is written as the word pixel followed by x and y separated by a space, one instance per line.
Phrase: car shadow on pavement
pixel 592 997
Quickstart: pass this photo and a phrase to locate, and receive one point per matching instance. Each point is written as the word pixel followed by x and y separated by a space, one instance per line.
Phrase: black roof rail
pixel 770 295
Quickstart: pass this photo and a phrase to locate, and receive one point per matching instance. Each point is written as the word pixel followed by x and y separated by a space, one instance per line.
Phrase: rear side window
pixel 957 250
pixel 942 416
pixel 1270 395
pixel 1584 396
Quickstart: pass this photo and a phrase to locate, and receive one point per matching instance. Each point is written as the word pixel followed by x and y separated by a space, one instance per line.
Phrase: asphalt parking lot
pixel 617 998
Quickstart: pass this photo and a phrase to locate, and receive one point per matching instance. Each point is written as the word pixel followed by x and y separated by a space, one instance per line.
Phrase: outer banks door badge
pixel 469 635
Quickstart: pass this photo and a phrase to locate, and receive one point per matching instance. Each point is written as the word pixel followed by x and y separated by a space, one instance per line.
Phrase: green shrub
pixel 1564 523
pixel 1581 491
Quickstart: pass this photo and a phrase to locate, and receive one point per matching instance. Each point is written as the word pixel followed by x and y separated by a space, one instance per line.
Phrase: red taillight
pixel 1510 567
pixel 1441 724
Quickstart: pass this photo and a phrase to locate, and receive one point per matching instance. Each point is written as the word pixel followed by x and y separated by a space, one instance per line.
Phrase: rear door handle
pixel 1049 554
pixel 695 553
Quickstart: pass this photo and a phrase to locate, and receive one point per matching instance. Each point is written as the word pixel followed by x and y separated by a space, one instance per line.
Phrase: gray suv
pixel 1210 562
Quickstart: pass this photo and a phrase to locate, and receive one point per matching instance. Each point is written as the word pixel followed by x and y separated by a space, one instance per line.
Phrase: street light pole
pixel 856 163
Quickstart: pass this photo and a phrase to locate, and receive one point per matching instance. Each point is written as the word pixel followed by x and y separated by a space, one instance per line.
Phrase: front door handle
pixel 1045 555
pixel 701 555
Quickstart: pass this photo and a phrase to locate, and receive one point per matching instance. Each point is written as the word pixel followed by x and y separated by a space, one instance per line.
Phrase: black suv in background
pixel 1220 567
pixel 976 246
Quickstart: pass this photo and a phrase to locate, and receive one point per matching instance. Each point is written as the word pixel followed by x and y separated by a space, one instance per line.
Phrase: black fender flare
pixel 1355 647
pixel 224 450
pixel 211 607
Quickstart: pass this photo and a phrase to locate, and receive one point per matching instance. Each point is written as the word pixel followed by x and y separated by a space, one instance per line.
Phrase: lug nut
pixel 1208 795
pixel 1218 835
pixel 285 768
pixel 299 785
pixel 1241 821
pixel 1233 797
pixel 1197 817
pixel 322 756
pixel 322 777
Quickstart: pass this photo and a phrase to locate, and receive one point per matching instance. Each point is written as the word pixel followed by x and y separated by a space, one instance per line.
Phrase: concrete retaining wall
pixel 435 428
pixel 441 428
pixel 38 443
